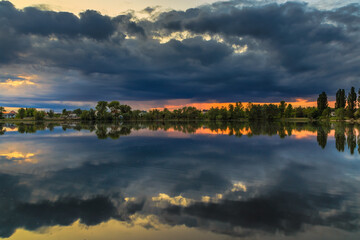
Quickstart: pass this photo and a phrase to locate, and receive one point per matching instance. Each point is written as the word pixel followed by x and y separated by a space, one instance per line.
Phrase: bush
pixel 340 113
pixel 39 115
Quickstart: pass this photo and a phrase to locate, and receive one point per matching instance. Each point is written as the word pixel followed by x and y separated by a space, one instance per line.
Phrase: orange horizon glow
pixel 300 102
pixel 177 104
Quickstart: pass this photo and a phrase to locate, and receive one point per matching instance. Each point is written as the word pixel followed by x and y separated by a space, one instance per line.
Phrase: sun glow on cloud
pixel 238 186
pixel 181 36
pixel 16 83
pixel 177 200
pixel 19 157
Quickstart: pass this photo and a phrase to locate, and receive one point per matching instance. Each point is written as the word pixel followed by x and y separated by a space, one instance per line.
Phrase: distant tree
pixel 64 112
pixel 85 115
pixel 289 111
pixel 340 113
pixel 114 109
pixel 39 115
pixel 326 113
pixel 21 113
pixel 51 114
pixel 2 109
pixel 311 112
pixel 340 99
pixel 282 108
pixel 351 103
pixel 322 102
pixel 30 112
pixel 299 112
pixel 101 109
pixel 78 112
pixel 125 108
pixel 92 114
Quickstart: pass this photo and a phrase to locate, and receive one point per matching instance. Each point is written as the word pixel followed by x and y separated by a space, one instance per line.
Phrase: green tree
pixel 2 110
pixel 77 112
pixel 101 109
pixel 326 113
pixel 340 99
pixel 322 102
pixel 311 112
pixel 299 112
pixel 64 112
pixel 351 103
pixel 39 115
pixel 114 109
pixel 282 108
pixel 289 111
pixel 92 114
pixel 21 113
pixel 340 113
pixel 30 112
pixel 85 115
pixel 125 108
pixel 51 114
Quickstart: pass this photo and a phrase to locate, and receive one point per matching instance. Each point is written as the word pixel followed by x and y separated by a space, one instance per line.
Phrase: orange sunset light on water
pixel 299 102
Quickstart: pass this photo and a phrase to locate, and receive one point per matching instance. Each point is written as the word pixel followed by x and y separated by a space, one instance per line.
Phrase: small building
pixel 9 115
pixel 72 115
pixel 142 113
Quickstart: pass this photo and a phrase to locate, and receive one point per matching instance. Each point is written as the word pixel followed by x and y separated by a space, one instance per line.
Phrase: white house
pixel 9 115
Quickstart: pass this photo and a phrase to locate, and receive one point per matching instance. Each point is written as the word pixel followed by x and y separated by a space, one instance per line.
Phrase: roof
pixel 9 113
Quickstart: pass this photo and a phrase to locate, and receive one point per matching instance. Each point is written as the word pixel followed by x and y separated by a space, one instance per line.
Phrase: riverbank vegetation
pixel 347 107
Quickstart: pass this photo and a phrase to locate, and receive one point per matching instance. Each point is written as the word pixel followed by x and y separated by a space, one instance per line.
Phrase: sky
pixel 66 54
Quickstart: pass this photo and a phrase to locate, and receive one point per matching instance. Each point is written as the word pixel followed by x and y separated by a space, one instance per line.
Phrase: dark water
pixel 180 181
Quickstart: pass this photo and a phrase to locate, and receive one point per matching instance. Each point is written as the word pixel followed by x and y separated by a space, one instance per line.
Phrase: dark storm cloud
pixel 291 33
pixel 18 212
pixel 32 20
pixel 280 212
pixel 293 50
pixel 276 208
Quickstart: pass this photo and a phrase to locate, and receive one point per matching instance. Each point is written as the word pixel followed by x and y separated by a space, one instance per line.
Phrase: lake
pixel 180 181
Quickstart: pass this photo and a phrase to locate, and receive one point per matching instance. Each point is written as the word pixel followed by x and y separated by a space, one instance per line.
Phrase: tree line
pixel 346 106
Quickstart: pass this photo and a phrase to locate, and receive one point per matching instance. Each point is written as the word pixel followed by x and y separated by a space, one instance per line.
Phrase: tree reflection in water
pixel 344 133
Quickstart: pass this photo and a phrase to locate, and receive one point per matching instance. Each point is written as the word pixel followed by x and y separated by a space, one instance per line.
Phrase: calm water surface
pixel 180 181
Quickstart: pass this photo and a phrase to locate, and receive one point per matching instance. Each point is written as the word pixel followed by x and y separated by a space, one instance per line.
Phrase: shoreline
pixel 300 120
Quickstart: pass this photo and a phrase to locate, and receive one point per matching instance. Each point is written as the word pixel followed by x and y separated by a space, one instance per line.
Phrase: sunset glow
pixel 205 106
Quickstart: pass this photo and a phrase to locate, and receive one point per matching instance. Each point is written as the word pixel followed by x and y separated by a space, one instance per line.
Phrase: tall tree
pixel 21 113
pixel 289 111
pixel 282 108
pixel 114 108
pixel 101 109
pixel 2 109
pixel 351 101
pixel 322 102
pixel 51 113
pixel 340 99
